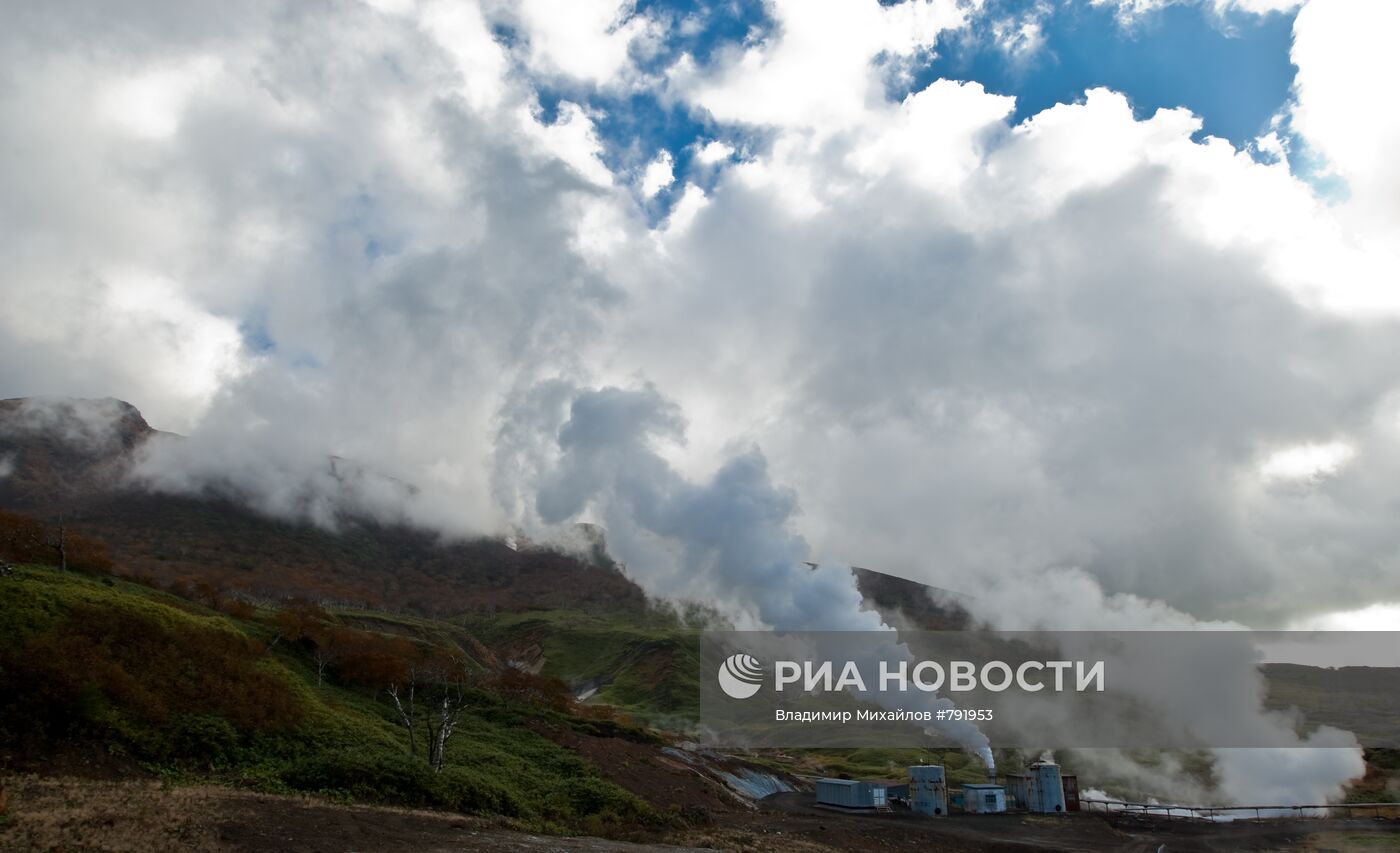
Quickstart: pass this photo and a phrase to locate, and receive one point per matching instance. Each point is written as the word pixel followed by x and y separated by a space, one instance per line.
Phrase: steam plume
pixel 725 541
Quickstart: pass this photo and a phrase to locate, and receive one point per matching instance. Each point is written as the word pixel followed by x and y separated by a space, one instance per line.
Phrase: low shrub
pixel 365 775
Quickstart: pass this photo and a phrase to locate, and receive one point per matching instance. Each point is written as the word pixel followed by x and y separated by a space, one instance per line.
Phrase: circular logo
pixel 740 676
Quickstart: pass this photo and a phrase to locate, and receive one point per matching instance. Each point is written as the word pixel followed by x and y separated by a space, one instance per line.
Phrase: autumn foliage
pixel 98 666
pixel 28 540
pixel 520 687
pixel 140 674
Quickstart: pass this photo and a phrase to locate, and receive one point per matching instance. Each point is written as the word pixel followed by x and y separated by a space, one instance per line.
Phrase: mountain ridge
pixel 72 459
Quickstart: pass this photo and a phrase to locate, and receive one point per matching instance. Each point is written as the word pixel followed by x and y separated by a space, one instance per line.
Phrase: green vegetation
pixel 190 692
pixel 878 763
pixel 647 666
pixel 293 699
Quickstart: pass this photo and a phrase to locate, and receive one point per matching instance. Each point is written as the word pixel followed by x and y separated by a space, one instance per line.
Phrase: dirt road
pixel 795 817
pixel 48 813
pixel 71 815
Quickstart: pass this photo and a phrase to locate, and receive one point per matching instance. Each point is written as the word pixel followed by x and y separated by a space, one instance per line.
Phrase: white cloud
pixel 391 7
pixel 148 104
pixel 935 137
pixel 1347 68
pixel 460 30
pixel 818 69
pixel 190 352
pixel 1306 462
pixel 946 306
pixel 1272 145
pixel 1376 617
pixel 1131 10
pixel 573 139
pixel 588 40
pixel 658 175
pixel 1258 7
pixel 713 152
pixel 918 293
pixel 691 202
pixel 1022 36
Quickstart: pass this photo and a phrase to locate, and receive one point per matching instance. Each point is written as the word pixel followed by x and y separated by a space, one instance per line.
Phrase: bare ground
pixel 71 814
pixel 796 817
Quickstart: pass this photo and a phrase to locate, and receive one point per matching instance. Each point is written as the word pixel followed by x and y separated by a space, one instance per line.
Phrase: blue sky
pixel 1232 70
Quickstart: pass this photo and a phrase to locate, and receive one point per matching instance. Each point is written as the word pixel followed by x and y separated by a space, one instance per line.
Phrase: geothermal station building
pixel 928 790
pixel 851 794
pixel 1042 789
pixel 984 798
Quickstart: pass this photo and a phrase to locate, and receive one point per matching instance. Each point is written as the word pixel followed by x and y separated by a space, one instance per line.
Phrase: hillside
pixel 648 667
pixel 194 638
pixel 70 459
pixel 191 689
pixel 112 678
pixel 579 620
pixel 1360 699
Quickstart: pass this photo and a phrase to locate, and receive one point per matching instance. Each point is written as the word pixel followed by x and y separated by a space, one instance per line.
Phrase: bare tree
pixel 322 656
pixel 431 698
pixel 426 686
pixel 449 700
pixel 404 697
pixel 56 540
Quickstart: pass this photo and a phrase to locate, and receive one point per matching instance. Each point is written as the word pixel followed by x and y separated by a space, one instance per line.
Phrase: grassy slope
pixel 647 666
pixel 330 740
pixel 344 742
